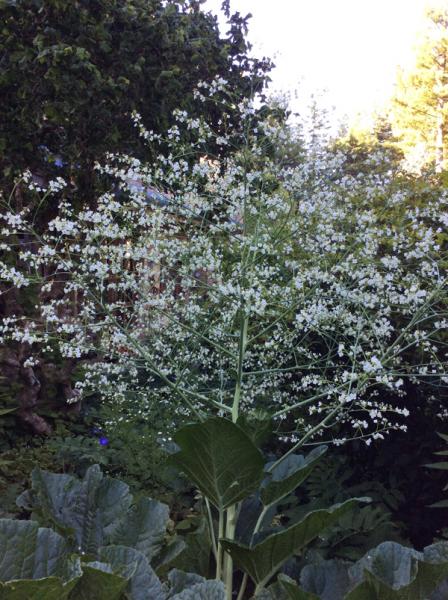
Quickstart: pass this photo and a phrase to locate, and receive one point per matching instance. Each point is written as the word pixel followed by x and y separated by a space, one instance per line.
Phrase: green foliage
pixel 285 477
pixel 29 552
pixel 221 460
pixel 133 451
pixel 96 511
pixel 195 556
pixel 15 468
pixel 419 109
pixel 263 560
pixel 227 467
pixel 73 73
pixel 388 572
pixel 442 466
pixel 115 541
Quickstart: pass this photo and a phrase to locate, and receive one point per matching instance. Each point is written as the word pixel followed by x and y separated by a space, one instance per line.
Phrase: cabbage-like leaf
pixel 221 459
pixel 327 580
pixel 292 590
pixel 34 563
pixel 97 511
pixel 98 581
pixel 189 586
pixel 179 580
pixel 289 474
pixel 393 572
pixel 143 583
pixel 391 563
pixel 91 509
pixel 264 559
pixel 208 590
pixel 143 528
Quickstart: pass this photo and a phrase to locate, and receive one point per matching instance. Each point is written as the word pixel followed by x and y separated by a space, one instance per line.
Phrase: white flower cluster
pixel 241 284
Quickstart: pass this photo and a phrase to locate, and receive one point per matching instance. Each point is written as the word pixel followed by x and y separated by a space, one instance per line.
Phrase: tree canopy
pixel 72 73
pixel 419 109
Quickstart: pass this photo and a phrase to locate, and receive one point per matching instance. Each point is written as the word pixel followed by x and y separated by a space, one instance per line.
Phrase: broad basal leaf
pixel 264 559
pixel 293 591
pixel 143 528
pixel 221 460
pixel 34 563
pixel 208 590
pixel 91 509
pixel 328 580
pixel 49 588
pixel 131 564
pixel 99 582
pixel 393 572
pixel 289 474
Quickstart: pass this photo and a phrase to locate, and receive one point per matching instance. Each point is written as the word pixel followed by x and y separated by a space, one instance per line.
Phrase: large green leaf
pixel 28 551
pixel 34 563
pixel 168 555
pixel 221 460
pixel 258 426
pixel 195 556
pixel 92 509
pixel 180 580
pixel 99 582
pixel 293 591
pixel 327 580
pixel 189 586
pixel 143 528
pixel 393 572
pixel 289 474
pixel 209 590
pixel 49 588
pixel 264 559
pixel 131 564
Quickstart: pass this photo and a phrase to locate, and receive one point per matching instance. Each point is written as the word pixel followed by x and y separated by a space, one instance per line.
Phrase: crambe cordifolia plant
pixel 238 291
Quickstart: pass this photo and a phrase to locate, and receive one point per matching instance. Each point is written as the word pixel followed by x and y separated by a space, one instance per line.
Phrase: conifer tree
pixel 419 111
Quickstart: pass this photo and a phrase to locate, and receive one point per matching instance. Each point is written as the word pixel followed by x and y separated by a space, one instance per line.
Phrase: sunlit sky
pixel 351 48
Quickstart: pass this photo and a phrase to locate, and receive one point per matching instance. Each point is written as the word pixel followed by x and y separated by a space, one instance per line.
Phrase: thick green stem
pixel 212 530
pixel 219 551
pixel 228 562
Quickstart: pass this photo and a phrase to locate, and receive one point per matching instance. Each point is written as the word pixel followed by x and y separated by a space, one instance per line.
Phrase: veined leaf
pixel 393 572
pixel 34 563
pixel 289 474
pixel 143 528
pixel 189 586
pixel 91 509
pixel 221 460
pixel 209 590
pixel 99 582
pixel 143 583
pixel 264 559
pixel 328 580
pixel 293 591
